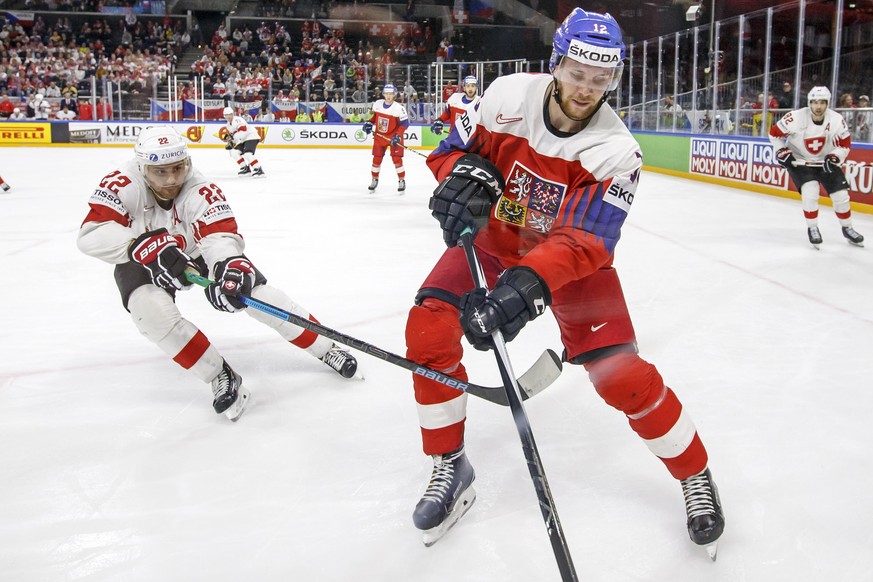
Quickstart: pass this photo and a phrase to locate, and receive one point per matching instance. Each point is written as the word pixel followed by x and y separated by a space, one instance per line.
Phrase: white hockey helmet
pixel 160 145
pixel 471 80
pixel 38 97
pixel 389 88
pixel 818 94
pixel 227 111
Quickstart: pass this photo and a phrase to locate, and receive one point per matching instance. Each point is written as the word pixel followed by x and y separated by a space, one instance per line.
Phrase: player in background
pixel 546 174
pixel 811 143
pixel 389 120
pixel 154 218
pixel 242 141
pixel 4 186
pixel 457 104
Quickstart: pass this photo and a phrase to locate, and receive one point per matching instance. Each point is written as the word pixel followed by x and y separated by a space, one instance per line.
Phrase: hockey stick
pixel 534 463
pixel 796 163
pixel 404 146
pixel 543 372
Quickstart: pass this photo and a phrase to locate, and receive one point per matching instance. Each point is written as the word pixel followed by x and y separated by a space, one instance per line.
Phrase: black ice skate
pixel 373 184
pixel 342 361
pixel 705 517
pixel 852 236
pixel 6 187
pixel 814 236
pixel 258 173
pixel 448 496
pixel 244 171
pixel 401 186
pixel 231 397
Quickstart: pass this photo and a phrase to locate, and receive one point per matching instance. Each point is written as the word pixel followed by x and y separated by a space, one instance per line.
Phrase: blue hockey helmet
pixel 471 80
pixel 389 88
pixel 591 39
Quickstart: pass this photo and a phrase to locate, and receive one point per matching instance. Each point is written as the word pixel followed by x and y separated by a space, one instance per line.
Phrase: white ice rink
pixel 113 466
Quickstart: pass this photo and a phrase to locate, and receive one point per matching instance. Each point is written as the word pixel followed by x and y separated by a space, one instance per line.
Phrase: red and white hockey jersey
pixel 567 195
pixel 456 105
pixel 389 120
pixel 809 141
pixel 241 130
pixel 122 207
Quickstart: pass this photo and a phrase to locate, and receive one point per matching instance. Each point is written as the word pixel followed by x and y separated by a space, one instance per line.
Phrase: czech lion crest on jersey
pixel 529 200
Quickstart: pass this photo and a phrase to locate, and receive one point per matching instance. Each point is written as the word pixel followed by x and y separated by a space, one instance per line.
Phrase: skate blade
pixel 815 246
pixel 712 550
pixel 857 244
pixel 462 506
pixel 239 406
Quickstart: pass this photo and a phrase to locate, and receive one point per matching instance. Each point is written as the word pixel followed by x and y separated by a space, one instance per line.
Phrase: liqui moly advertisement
pixel 752 162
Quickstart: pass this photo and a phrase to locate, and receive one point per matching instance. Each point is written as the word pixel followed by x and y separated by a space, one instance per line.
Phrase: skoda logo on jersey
pixel 589 54
pixel 153 157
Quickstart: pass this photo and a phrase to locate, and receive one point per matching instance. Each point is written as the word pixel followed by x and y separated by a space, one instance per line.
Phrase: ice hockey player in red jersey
pixel 154 218
pixel 546 174
pixel 242 140
pixel 387 123
pixel 457 105
pixel 811 143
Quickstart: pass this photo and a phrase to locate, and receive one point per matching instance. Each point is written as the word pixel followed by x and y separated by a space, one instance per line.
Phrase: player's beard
pixel 571 106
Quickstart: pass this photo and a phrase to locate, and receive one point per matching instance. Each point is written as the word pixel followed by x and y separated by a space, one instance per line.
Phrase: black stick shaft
pixel 525 433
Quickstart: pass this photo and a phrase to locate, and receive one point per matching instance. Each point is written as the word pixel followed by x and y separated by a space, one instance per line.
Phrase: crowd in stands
pixel 57 60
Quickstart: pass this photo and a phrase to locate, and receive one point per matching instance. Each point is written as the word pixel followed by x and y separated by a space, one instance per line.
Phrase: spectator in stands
pixel 65 114
pixel 86 110
pixel 786 96
pixel 409 93
pixel 265 114
pixel 302 116
pixel 360 94
pixel 6 106
pixel 17 115
pixel 103 109
pixel 863 120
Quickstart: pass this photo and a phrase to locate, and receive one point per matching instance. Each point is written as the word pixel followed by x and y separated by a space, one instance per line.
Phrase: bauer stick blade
pixel 544 371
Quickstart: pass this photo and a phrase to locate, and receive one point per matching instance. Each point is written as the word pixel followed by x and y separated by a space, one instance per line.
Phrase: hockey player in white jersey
pixel 811 143
pixel 242 140
pixel 156 217
pixel 458 104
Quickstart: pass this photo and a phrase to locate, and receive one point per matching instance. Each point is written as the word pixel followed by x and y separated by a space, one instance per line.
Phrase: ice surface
pixel 116 468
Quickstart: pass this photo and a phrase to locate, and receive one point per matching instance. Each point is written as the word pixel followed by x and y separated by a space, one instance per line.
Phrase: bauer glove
pixel 519 296
pixel 831 163
pixel 785 157
pixel 395 141
pixel 437 127
pixel 234 276
pixel 160 253
pixel 368 127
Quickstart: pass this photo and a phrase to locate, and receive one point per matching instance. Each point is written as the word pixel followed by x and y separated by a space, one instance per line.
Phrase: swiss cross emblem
pixel 529 200
pixel 814 144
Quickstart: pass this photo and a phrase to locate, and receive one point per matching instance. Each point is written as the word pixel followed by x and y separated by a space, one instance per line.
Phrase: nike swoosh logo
pixel 504 120
pixel 596 327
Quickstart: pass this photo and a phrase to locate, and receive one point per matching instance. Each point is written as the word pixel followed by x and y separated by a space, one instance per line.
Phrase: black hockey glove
pixel 160 253
pixel 437 127
pixel 368 127
pixel 831 163
pixel 395 141
pixel 519 296
pixel 464 199
pixel 785 157
pixel 234 276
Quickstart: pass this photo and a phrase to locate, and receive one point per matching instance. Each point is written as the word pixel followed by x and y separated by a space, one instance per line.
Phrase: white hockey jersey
pixel 809 141
pixel 456 105
pixel 241 130
pixel 122 207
